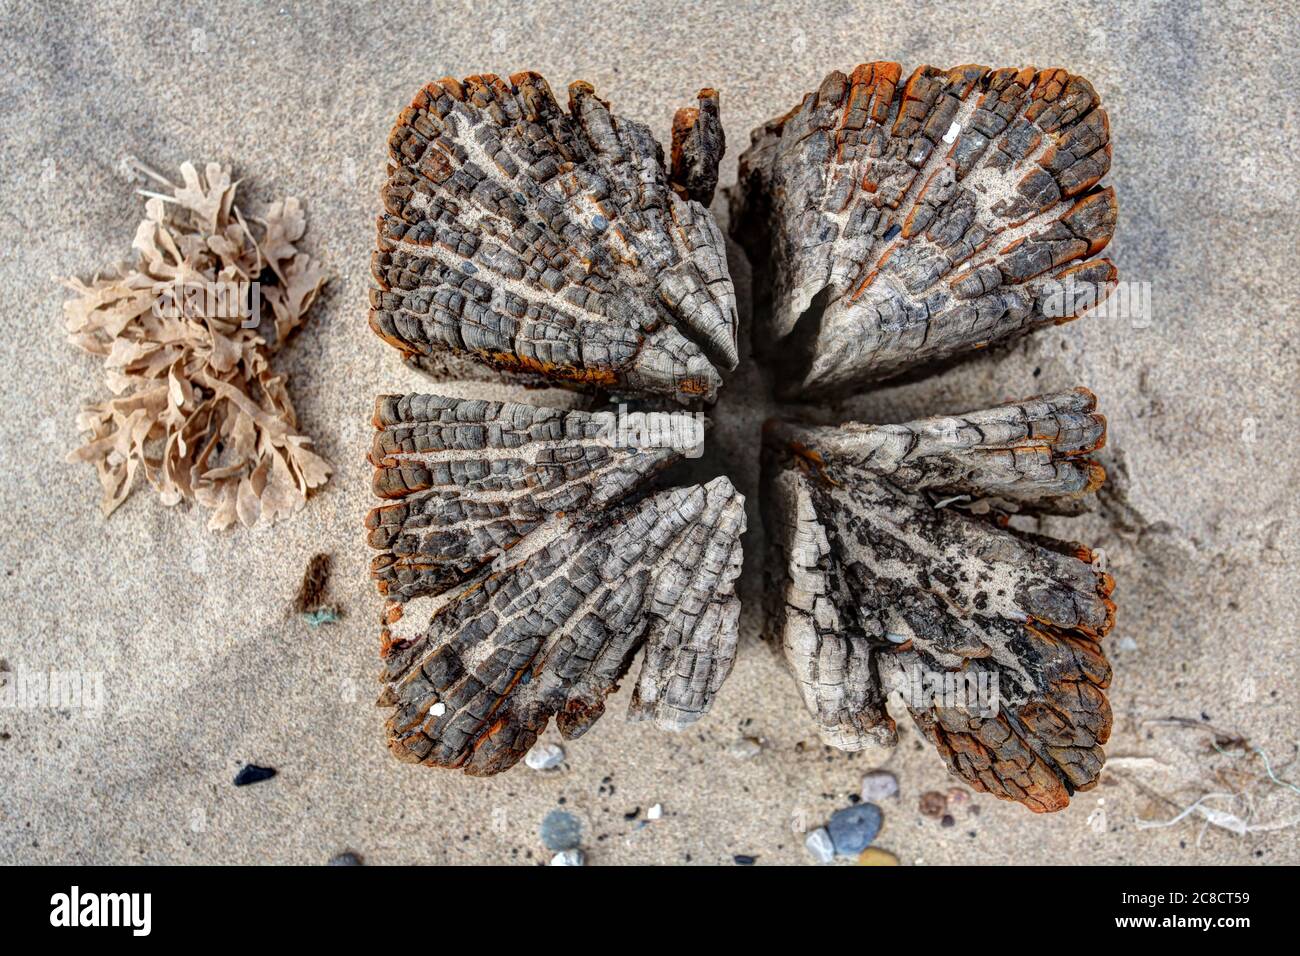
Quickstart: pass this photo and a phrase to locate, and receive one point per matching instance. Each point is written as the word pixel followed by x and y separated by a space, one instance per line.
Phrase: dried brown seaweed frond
pixel 200 412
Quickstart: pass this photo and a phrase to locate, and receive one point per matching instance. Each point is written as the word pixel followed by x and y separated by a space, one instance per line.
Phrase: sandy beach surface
pixel 205 667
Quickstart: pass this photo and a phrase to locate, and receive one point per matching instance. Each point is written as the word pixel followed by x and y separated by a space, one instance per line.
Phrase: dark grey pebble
pixel 252 773
pixel 561 830
pixel 347 858
pixel 744 859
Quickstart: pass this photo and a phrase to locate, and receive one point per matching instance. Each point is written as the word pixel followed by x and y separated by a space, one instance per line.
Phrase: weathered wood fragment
pixel 315 584
pixel 1020 456
pixel 894 225
pixel 551 574
pixel 551 246
pixel 698 145
pixel 467 480
pixel 527 553
pixel 880 581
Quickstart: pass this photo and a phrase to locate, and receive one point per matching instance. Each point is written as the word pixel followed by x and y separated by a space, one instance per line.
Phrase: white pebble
pixel 655 812
pixel 745 748
pixel 569 858
pixel 438 709
pixel 820 846
pixel 951 135
pixel 544 756
pixel 879 785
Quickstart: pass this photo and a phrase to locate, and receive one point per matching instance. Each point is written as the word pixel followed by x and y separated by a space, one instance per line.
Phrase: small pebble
pixel 874 856
pixel 561 830
pixel 820 846
pixel 746 748
pixel 958 797
pixel 573 857
pixel 948 820
pixel 347 858
pixel 655 812
pixel 933 803
pixel 879 785
pixel 744 859
pixel 438 709
pixel 253 774
pixel 853 828
pixel 544 756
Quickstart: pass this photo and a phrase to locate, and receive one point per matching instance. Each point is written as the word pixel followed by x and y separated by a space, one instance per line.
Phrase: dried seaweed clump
pixel 901 224
pixel 542 561
pixel 553 248
pixel 895 568
pixel 187 333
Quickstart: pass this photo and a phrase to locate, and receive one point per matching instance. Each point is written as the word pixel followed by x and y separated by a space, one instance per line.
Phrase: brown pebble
pixel 933 803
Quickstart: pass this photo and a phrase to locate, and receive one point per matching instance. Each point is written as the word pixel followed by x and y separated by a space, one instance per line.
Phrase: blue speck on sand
pixel 322 615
